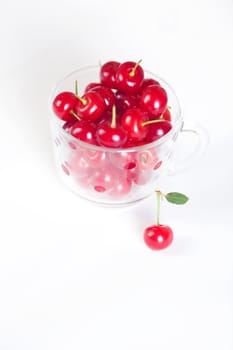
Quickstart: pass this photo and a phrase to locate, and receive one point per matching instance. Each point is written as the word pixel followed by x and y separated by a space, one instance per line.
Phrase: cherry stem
pixel 132 73
pixel 158 195
pixel 75 115
pixel 153 121
pixel 113 123
pixel 84 102
pixel 76 88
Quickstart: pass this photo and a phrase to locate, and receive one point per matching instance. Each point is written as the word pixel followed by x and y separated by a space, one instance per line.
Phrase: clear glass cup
pixel 109 176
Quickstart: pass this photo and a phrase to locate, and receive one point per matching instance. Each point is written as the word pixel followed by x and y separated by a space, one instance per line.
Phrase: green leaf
pixel 176 198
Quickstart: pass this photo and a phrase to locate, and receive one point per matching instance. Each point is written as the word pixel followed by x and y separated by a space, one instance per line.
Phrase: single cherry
pixel 111 134
pixel 67 125
pixel 92 85
pixel 90 106
pixel 63 105
pixel 159 236
pixel 158 128
pixel 84 131
pixel 167 115
pixel 121 187
pixel 125 101
pixel 154 100
pixel 147 82
pixel 108 74
pixel 106 94
pixel 129 77
pixel 134 122
pixel 103 179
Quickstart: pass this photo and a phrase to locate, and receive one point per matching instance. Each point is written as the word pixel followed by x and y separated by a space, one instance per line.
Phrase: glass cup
pixel 122 176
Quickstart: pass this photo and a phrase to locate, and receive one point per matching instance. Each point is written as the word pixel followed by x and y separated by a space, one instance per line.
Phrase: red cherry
pixel 121 187
pixel 91 86
pixel 79 165
pixel 158 130
pixel 63 105
pixel 147 159
pixel 125 101
pixel 90 106
pixel 106 94
pixel 96 158
pixel 154 100
pixel 139 177
pixel 167 115
pixel 110 134
pixel 123 160
pixel 133 122
pixel 103 179
pixel 129 77
pixel 147 82
pixel 108 74
pixel 158 237
pixel 67 125
pixel 84 130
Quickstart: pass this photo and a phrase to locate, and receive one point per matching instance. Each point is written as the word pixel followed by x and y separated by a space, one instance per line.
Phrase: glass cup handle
pixel 201 139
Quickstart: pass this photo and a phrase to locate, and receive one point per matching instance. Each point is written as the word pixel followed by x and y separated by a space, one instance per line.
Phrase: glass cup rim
pixel 175 126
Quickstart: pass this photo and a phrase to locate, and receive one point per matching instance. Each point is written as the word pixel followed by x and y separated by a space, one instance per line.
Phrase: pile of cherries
pixel 124 109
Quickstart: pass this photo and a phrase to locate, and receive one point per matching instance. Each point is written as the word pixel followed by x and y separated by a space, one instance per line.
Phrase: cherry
pixel 134 122
pixel 103 179
pixel 84 131
pixel 158 236
pixel 154 100
pixel 96 158
pixel 108 74
pixel 158 128
pixel 121 187
pixel 167 115
pixel 90 106
pixel 129 77
pixel 123 160
pixel 67 125
pixel 79 165
pixel 125 101
pixel 147 159
pixel 139 177
pixel 147 82
pixel 106 94
pixel 63 105
pixel 91 86
pixel 110 134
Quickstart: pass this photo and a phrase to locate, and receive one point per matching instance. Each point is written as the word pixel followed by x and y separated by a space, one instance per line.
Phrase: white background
pixel 77 276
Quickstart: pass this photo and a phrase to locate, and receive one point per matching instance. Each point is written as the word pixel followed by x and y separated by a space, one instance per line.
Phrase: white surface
pixel 77 276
